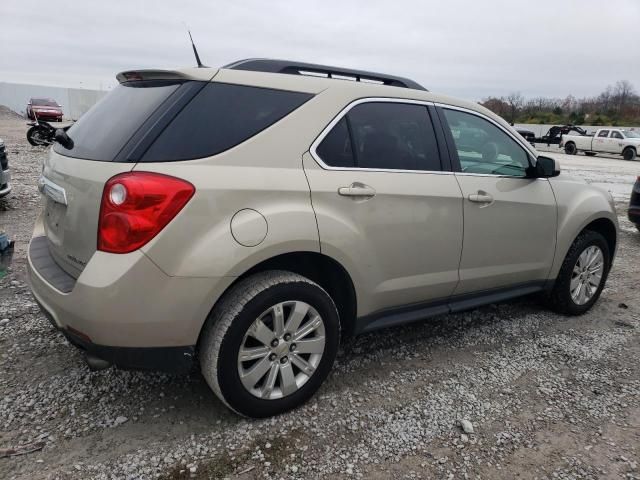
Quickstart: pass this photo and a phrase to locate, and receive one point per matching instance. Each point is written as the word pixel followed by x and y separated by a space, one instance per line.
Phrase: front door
pixel 509 220
pixel 386 210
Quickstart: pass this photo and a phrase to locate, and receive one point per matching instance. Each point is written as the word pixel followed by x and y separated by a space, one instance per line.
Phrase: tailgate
pixel 72 191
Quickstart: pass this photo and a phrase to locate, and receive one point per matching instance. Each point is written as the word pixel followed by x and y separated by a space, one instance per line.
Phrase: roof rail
pixel 311 69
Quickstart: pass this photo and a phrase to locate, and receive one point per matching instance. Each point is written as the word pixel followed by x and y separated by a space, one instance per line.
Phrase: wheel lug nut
pixel 274 342
pixel 287 337
pixel 292 347
pixel 272 357
pixel 284 360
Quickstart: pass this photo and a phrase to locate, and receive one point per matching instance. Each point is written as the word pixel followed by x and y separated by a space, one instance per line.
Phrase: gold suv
pixel 250 216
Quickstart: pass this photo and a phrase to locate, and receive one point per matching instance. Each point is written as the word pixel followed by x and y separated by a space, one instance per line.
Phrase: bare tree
pixel 622 93
pixel 515 101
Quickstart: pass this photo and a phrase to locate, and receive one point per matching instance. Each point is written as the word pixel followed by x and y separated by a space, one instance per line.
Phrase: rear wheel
pixel 570 148
pixel 270 343
pixel 629 153
pixel 582 275
pixel 37 137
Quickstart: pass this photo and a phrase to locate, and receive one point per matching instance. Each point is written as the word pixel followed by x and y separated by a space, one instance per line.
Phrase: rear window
pixel 382 135
pixel 102 132
pixel 220 117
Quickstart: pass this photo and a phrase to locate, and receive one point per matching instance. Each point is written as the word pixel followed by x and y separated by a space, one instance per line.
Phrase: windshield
pixel 44 102
pixel 631 134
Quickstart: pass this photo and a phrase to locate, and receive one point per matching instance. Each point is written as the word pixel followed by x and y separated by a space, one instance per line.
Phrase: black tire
pixel 570 148
pixel 559 298
pixel 629 153
pixel 34 137
pixel 590 154
pixel 228 323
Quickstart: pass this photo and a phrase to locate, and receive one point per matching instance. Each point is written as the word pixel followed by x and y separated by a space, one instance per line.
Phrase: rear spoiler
pixel 205 74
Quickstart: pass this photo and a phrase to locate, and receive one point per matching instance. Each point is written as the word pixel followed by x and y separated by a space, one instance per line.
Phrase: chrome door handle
pixel 357 190
pixel 480 197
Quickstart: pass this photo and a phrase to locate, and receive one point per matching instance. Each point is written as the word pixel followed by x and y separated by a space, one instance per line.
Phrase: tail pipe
pixel 96 363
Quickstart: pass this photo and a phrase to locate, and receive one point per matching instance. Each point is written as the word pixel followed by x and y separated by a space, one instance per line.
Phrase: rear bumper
pixel 634 215
pixel 125 310
pixel 177 360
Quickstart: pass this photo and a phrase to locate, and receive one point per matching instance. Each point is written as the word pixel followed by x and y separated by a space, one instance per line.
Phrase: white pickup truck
pixel 606 140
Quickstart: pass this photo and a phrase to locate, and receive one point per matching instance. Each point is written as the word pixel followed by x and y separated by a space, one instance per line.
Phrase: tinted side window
pixel 484 148
pixel 393 136
pixel 335 149
pixel 603 133
pixel 220 117
pixel 616 135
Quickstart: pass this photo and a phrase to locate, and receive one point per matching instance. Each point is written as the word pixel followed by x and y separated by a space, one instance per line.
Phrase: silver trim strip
pixel 342 113
pixel 345 110
pixel 52 190
pixel 520 140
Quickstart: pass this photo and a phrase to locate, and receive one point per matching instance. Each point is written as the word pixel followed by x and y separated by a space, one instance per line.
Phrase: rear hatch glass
pixel 102 132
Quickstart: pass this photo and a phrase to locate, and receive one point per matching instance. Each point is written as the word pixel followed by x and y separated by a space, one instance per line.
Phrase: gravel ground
pixel 539 395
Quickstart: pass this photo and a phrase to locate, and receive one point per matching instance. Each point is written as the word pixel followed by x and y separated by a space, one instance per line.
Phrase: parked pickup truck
pixel 606 140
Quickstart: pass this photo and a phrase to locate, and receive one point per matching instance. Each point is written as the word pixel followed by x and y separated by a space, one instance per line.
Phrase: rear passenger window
pixel 383 135
pixel 603 133
pixel 220 117
pixel 335 150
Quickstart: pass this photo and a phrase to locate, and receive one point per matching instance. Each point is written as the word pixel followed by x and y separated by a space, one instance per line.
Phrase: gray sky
pixel 467 48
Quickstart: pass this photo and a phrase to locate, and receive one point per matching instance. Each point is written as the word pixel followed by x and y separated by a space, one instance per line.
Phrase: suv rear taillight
pixel 136 206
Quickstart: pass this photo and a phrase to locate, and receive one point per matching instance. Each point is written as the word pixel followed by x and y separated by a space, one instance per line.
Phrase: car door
pixel 509 219
pixel 386 208
pixel 601 141
pixel 615 142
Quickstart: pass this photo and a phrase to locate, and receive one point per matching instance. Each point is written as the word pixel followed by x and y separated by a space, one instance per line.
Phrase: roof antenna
pixel 195 51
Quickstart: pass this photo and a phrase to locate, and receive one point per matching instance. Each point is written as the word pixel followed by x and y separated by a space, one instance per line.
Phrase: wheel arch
pixel 602 224
pixel 319 268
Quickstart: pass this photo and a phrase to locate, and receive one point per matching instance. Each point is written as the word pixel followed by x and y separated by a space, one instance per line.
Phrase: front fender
pixel 579 204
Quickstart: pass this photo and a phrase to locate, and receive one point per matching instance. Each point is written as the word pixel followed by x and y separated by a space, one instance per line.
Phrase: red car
pixel 45 108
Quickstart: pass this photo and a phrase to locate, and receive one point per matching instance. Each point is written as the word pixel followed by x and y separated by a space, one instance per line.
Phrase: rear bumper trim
pixel 177 360
pixel 47 268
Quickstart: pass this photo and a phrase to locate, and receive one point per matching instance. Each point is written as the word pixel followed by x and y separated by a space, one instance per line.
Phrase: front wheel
pixel 570 148
pixel 270 343
pixel 582 275
pixel 629 153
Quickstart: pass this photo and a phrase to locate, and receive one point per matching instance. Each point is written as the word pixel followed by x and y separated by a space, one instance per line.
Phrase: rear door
pixel 509 220
pixel 387 207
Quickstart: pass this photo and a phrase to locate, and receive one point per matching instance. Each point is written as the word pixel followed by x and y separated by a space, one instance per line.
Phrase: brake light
pixel 136 206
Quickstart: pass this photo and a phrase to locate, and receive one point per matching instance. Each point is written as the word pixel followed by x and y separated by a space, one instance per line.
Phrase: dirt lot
pixel 547 396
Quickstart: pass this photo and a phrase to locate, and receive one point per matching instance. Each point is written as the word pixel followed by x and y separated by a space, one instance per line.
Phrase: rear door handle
pixel 357 190
pixel 480 197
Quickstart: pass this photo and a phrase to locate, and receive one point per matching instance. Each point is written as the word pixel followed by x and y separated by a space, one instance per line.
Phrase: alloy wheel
pixel 281 350
pixel 587 275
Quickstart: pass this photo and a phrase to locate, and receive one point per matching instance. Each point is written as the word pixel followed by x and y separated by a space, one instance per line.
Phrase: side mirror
pixel 63 139
pixel 547 167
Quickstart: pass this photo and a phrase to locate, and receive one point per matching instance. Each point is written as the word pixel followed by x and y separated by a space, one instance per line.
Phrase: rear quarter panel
pixel 582 143
pixel 263 174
